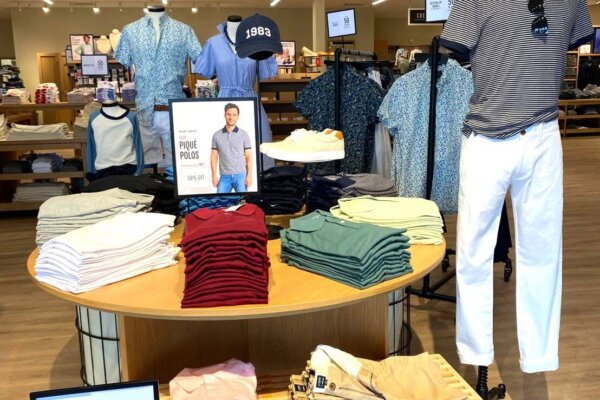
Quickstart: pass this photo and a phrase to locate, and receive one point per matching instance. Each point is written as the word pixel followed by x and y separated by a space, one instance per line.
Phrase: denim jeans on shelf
pixel 236 182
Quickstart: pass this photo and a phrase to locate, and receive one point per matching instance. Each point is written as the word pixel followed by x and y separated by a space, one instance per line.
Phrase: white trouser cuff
pixel 483 360
pixel 533 366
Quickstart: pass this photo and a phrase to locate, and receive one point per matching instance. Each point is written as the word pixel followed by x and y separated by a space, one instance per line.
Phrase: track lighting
pixel 165 2
pixel 50 2
pixel 377 2
pixel 95 9
pixel 194 9
pixel 274 3
pixel 45 10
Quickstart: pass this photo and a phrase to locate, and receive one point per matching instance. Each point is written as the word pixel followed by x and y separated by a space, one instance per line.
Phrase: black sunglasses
pixel 539 26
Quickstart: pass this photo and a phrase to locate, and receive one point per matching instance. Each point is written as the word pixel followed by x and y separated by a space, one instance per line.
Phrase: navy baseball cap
pixel 257 37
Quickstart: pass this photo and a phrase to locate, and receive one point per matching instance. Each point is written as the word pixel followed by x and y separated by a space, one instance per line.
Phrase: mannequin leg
pixel 537 195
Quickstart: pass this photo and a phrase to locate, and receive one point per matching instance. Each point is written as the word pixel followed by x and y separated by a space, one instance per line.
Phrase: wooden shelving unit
pixel 282 94
pixel 592 121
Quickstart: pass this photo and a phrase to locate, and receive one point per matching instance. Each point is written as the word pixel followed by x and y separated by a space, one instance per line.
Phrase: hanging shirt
pixel 236 75
pixel 405 112
pixel 517 73
pixel 160 68
pixel 114 141
pixel 361 98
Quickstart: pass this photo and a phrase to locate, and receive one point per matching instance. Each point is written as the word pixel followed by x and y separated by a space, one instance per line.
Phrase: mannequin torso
pixel 103 45
pixel 155 18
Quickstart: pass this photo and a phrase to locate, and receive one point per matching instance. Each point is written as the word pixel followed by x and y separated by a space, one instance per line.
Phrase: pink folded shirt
pixel 232 380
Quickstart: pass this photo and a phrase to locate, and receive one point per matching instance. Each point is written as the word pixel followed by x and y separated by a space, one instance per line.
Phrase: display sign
pixel 81 44
pixel 341 23
pixel 215 146
pixel 438 10
pixel 416 16
pixel 94 65
pixel 288 57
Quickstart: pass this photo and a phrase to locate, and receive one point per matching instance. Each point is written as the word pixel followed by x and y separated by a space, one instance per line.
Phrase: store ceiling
pixel 389 8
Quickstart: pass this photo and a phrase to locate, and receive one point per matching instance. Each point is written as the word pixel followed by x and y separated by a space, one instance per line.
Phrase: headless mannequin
pixel 233 21
pixel 154 13
pixel 114 38
pixel 113 108
pixel 103 45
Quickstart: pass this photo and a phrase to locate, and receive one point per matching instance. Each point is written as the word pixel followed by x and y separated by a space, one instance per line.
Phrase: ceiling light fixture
pixel 194 9
pixel 45 10
pixel 95 9
pixel 20 8
pixel 120 8
pixel 274 3
pixel 165 2
pixel 377 2
pixel 49 2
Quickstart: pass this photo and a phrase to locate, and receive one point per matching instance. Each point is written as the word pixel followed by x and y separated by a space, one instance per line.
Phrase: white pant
pixel 531 165
pixel 156 140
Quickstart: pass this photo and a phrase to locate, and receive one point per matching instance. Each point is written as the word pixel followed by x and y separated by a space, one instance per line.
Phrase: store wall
pixel 7 44
pixel 595 14
pixel 35 32
pixel 397 32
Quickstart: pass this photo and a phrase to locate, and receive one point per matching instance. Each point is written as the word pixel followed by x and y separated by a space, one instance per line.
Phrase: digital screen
pixel 94 65
pixel 341 23
pixel 438 10
pixel 147 390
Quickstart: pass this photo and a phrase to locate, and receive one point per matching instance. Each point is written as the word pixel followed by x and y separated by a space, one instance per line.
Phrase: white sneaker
pixel 307 146
pixel 306 52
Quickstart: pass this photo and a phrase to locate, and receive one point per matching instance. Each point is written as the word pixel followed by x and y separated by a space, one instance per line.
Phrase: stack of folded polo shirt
pixel 283 190
pixel 163 190
pixel 226 257
pixel 110 251
pixel 326 190
pixel 356 254
pixel 63 214
pixel 419 217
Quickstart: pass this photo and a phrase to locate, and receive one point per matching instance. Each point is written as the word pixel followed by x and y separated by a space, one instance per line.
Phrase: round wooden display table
pixel 158 338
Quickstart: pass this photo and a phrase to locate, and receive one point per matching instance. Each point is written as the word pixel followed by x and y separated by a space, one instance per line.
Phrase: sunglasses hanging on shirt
pixel 539 26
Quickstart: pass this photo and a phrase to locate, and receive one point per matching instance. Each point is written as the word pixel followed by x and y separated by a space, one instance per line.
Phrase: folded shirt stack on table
pixel 39 132
pixel 3 127
pixel 39 191
pixel 231 380
pixel 283 190
pixel 47 163
pixel 163 191
pixel 307 146
pixel 17 167
pixel 72 165
pixel 81 123
pixel 16 96
pixel 128 92
pixel 60 215
pixel 226 257
pixel 419 217
pixel 109 251
pixel 47 93
pixel 334 374
pixel 356 254
pixel 81 95
pixel 326 190
pixel 103 94
pixel 190 204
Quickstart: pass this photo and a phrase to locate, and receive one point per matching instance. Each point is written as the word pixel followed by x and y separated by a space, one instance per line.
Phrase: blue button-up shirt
pixel 160 69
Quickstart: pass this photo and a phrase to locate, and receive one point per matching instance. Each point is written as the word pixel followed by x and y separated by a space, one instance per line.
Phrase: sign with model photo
pixel 341 23
pixel 438 10
pixel 288 57
pixel 215 146
pixel 81 44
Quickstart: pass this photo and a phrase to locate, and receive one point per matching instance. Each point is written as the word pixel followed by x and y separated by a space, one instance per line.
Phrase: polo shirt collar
pixel 234 129
pixel 207 213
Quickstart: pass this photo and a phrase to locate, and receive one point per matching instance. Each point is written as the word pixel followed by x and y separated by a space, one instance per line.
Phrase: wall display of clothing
pixel 114 140
pixel 404 112
pixel 160 71
pixel 361 98
pixel 38 132
pixel 39 191
pixel 236 75
pixel 356 254
pixel 226 257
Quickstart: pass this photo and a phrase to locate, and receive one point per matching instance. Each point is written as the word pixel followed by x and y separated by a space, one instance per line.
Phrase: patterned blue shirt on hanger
pixel 160 69
pixel 405 112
